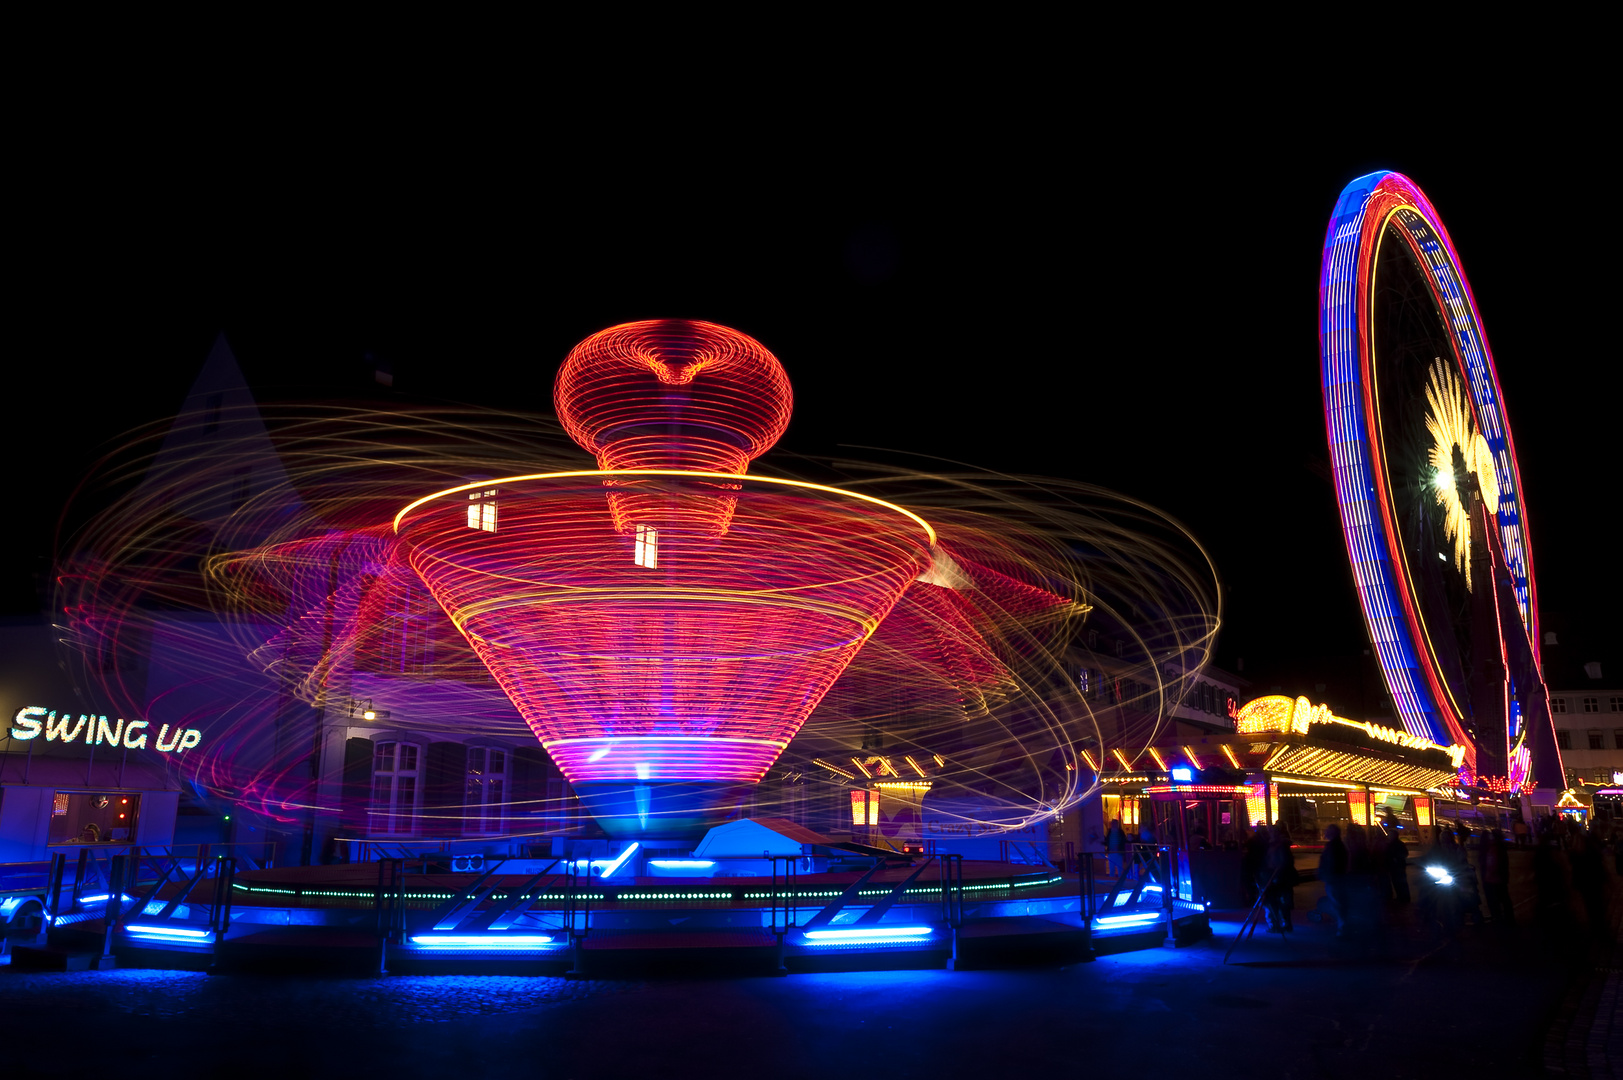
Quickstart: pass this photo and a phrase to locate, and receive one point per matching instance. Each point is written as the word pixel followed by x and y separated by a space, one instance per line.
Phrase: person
pixel 1589 879
pixel 1115 848
pixel 91 834
pixel 1552 913
pixel 1333 872
pixel 1146 835
pixel 1465 894
pixel 1397 865
pixel 1280 869
pixel 1252 860
pixel 1523 834
pixel 1358 888
pixel 1495 864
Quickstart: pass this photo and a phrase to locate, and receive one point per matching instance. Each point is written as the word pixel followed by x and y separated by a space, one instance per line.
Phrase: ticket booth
pixel 51 803
pixel 1189 819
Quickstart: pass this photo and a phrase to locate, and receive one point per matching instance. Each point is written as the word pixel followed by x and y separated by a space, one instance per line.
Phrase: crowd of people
pixel 1465 875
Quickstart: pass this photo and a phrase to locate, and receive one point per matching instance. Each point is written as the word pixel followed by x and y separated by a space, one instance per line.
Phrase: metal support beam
pixel 826 916
pixel 512 908
pixel 886 902
pixel 465 902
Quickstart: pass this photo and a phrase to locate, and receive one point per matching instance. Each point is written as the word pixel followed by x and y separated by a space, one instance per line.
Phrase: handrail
pixel 791 897
pixel 952 889
pixel 459 906
pixel 1087 901
pixel 225 876
pixel 389 907
pixel 888 901
pixel 512 908
pixel 850 893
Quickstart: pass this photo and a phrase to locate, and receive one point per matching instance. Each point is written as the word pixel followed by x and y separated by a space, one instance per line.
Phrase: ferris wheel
pixel 1428 486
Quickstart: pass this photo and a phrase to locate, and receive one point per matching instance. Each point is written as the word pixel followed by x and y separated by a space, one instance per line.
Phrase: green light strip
pixel 921 890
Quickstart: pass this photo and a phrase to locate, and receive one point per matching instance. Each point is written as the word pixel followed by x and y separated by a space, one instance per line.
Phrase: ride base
pixel 404 916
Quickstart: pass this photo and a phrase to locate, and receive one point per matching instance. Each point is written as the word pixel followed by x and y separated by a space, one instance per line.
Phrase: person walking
pixel 1333 872
pixel 1495 866
pixel 1397 866
pixel 1252 861
pixel 1467 897
pixel 1360 873
pixel 1589 879
pixel 1281 870
pixel 1115 848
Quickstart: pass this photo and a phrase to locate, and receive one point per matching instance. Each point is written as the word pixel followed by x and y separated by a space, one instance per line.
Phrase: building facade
pixel 1589 732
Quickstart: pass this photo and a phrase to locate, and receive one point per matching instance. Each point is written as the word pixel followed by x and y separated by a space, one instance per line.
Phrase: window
pixel 1617 704
pixel 1601 777
pixel 1558 704
pixel 394 787
pixel 558 811
pixel 1563 739
pixel 487 788
pixel 1597 741
pixel 647 553
pixel 93 818
pixel 1617 739
pixel 1591 704
pixel 405 645
pixel 1093 639
pixel 1083 682
pixel 482 510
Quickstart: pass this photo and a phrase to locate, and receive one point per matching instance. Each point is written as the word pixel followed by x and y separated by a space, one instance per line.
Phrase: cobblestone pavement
pixel 344 1004
pixel 1309 1006
pixel 1585 1034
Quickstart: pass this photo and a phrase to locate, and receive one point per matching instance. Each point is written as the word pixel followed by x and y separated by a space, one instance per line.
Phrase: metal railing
pixel 389 908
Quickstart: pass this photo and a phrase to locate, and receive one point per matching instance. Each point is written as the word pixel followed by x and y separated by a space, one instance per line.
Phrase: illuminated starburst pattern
pixel 1448 419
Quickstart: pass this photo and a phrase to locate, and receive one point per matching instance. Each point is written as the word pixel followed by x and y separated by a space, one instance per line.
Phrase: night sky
pixel 1132 306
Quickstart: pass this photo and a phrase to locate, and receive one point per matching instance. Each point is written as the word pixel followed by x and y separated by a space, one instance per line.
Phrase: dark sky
pixel 1133 305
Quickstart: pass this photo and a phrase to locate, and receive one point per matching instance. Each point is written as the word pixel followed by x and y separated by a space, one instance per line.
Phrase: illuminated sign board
pixel 1284 715
pixel 32 720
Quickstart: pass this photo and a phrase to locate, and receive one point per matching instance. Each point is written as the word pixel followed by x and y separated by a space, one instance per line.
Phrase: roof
pixel 757 837
pixel 106 773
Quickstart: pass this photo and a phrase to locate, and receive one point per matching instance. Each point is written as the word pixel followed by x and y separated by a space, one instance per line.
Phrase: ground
pixel 1528 1004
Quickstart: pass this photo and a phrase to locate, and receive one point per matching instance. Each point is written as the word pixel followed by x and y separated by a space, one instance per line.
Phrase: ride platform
pixel 415 917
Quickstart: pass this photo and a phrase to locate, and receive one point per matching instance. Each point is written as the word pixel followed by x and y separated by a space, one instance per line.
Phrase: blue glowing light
pixel 682 864
pixel 101 898
pixel 867 935
pixel 480 941
pixel 1183 774
pixel 181 933
pixel 1128 919
pixel 620 860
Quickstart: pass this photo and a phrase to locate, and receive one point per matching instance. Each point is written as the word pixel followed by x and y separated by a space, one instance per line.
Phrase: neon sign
pixel 31 720
pixel 1279 713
